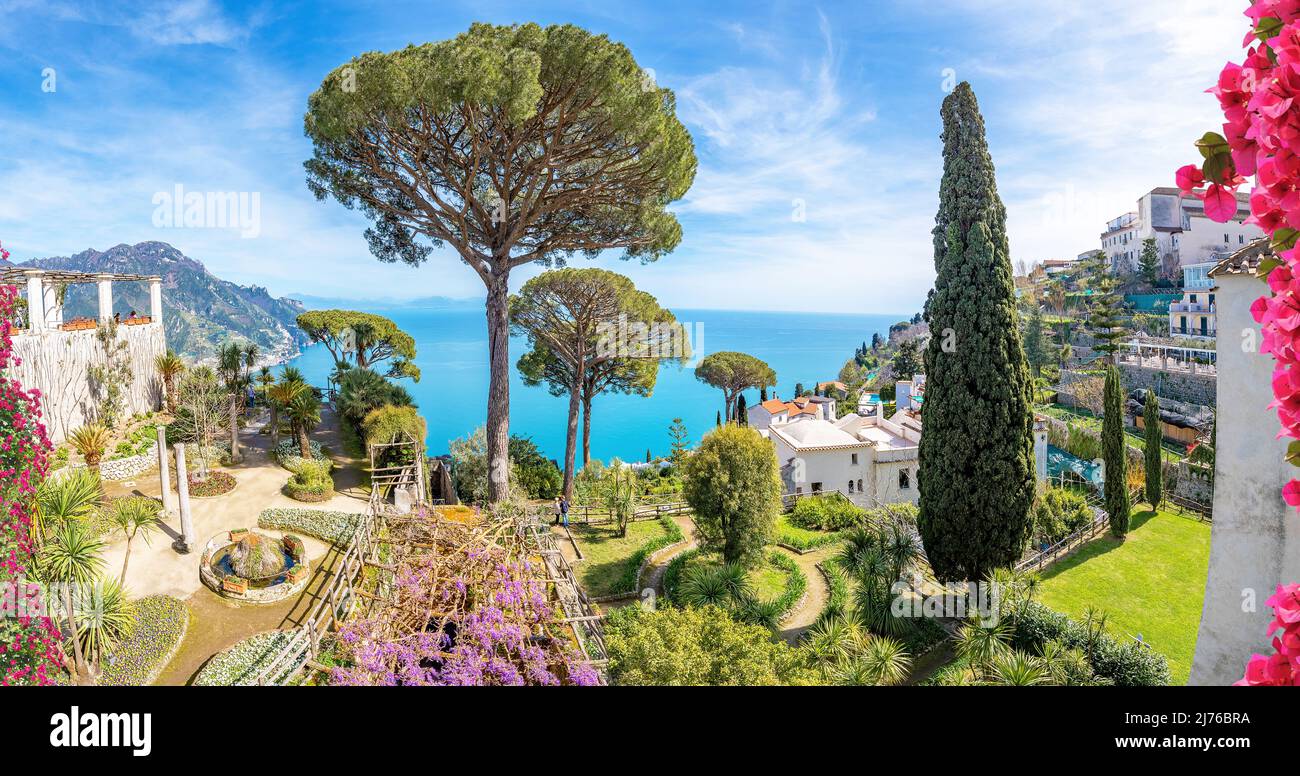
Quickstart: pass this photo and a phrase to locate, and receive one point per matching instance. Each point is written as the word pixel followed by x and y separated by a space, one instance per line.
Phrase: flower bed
pixel 217 484
pixel 288 454
pixel 333 527
pixel 160 625
pixel 240 664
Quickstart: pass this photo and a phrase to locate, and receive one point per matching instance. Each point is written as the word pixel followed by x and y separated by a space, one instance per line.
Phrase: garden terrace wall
pixel 132 466
pixel 58 363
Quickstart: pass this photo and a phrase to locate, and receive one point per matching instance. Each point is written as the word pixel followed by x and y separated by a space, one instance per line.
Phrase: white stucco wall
pixel 58 363
pixel 1255 544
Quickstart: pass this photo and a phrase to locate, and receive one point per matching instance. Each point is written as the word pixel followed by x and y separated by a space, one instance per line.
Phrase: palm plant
pixel 705 587
pixel 304 413
pixel 72 559
pixel 264 378
pixel 230 365
pixel 620 488
pixel 91 441
pixel 169 366
pixel 58 500
pixel 879 661
pixel 756 611
pixel 137 516
pixel 979 645
pixel 279 397
pixel 289 374
pixel 1066 667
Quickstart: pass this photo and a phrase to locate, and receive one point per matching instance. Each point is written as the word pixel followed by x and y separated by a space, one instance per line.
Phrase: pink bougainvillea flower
pixel 1189 178
pixel 1220 203
pixel 1291 493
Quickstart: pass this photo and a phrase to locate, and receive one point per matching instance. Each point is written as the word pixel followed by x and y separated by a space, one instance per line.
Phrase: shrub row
pixel 627 581
pixel 241 663
pixel 334 527
pixel 1128 665
pixel 837 601
pixel 796 584
pixel 822 513
pixel 160 624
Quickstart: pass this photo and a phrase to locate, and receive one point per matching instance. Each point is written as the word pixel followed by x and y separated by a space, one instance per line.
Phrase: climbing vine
pixel 29 640
pixel 110 378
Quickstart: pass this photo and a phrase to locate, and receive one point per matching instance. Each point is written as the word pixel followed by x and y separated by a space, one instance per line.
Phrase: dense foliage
pixel 1152 463
pixel 363 340
pixel 826 513
pixel 1059 512
pixel 1127 665
pixel 731 482
pixel 977 461
pixel 705 646
pixel 362 391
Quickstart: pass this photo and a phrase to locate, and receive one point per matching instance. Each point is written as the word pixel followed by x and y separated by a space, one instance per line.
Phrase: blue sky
pixel 836 105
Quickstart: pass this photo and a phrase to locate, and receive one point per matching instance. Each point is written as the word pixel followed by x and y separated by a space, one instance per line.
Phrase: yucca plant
pixel 1016 669
pixel 91 441
pixel 105 616
pixel 72 559
pixel 979 645
pixel 132 517
pixel 705 587
pixel 71 496
pixel 169 366
pixel 882 661
pixel 756 611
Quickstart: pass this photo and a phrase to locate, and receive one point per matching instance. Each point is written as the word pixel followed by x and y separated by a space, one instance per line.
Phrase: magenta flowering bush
pixel 1261 137
pixel 29 641
pixel 491 623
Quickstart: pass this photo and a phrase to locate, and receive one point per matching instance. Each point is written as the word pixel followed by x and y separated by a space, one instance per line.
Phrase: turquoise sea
pixel 452 393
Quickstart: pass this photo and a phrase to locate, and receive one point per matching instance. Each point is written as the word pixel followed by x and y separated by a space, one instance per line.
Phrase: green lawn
pixel 606 555
pixel 801 538
pixel 1152 583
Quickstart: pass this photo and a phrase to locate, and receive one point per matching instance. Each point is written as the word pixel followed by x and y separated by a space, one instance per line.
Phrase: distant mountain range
pixel 312 302
pixel 201 310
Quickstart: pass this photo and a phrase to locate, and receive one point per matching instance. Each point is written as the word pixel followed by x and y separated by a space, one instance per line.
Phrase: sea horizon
pixel 451 351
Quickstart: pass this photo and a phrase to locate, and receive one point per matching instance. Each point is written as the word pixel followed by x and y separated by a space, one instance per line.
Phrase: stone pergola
pixel 45 312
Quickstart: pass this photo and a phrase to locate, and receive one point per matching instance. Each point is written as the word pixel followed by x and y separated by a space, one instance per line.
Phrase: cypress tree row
pixel 1151 424
pixel 1112 453
pixel 977 457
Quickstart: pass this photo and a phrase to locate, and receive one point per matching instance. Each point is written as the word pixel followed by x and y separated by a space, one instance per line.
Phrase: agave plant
pixel 91 441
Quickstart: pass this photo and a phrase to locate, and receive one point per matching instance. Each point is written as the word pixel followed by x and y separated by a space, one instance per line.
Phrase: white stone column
pixel 105 298
pixel 35 299
pixel 186 542
pixel 53 307
pixel 155 299
pixel 169 502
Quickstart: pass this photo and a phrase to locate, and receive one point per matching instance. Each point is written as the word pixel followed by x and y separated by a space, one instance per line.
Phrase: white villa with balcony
pixel 58 356
pixel 1184 235
pixel 1194 315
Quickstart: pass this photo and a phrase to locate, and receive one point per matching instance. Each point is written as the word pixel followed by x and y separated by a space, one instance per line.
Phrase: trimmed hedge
pixel 311 480
pixel 160 624
pixel 333 527
pixel 796 583
pixel 823 513
pixel 288 454
pixel 1128 665
pixel 627 581
pixel 241 663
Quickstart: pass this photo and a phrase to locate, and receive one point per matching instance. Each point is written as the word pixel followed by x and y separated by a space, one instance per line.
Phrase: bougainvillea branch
pixel 29 641
pixel 1260 99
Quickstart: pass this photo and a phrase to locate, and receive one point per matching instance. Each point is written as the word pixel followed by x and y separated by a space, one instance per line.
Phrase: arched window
pixel 904 479
pixel 850 486
pixel 859 486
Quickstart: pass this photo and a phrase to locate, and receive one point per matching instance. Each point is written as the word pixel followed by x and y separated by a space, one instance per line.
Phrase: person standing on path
pixel 564 512
pixel 559 510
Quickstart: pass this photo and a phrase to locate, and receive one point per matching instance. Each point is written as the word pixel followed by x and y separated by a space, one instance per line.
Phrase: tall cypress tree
pixel 977 455
pixel 1151 424
pixel 1112 453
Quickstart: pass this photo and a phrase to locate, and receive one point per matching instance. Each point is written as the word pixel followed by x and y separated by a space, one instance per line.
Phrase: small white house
pixel 775 411
pixel 908 394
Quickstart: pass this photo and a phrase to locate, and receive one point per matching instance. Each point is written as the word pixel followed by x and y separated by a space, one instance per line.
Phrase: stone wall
pixel 1255 541
pixel 58 364
pixel 1180 386
pixel 130 467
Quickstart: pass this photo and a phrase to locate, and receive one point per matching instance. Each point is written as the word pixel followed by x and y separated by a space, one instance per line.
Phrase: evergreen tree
pixel 977 457
pixel 1106 314
pixel 647 455
pixel 1112 453
pixel 742 416
pixel 907 361
pixel 877 341
pixel 798 389
pixel 762 394
pixel 1151 424
pixel 719 417
pixel 1149 261
pixel 679 441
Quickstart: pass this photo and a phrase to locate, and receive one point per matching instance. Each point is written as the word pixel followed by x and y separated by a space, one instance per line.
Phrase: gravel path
pixel 653 575
pixel 818 593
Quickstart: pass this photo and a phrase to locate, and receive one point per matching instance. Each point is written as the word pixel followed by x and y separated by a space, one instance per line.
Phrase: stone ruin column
pixel 169 503
pixel 35 300
pixel 186 542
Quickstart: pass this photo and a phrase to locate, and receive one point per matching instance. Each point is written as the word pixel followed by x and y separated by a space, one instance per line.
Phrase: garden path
pixel 818 593
pixel 653 574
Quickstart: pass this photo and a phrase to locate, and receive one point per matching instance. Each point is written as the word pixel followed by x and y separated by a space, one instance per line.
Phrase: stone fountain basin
pixel 216 573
